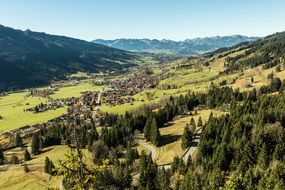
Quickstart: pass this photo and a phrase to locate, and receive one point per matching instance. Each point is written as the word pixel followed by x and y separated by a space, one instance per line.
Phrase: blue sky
pixel 161 19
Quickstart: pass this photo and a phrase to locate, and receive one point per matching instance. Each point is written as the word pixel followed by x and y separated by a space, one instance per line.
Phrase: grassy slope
pixel 171 136
pixel 197 81
pixel 75 91
pixel 35 179
pixel 12 106
pixel 12 109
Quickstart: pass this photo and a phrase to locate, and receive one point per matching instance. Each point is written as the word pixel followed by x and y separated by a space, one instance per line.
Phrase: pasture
pixel 171 135
pixel 12 109
pixel 75 90
pixel 14 177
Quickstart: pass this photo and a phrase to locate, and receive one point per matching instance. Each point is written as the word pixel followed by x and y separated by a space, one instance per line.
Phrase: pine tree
pixel 154 133
pixel 37 109
pixel 200 122
pixel 14 159
pixel 189 162
pixel 163 180
pixel 48 166
pixel 263 158
pixel 92 137
pixel 186 138
pixel 27 155
pixel 1 156
pixel 130 155
pixel 35 144
pixel 51 167
pixel 275 84
pixel 192 125
pixel 252 95
pixel 147 128
pixel 26 168
pixel 175 164
pixel 18 140
pixel 148 173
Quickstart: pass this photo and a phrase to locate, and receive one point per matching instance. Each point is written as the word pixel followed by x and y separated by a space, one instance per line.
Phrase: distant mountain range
pixel 182 48
pixel 31 58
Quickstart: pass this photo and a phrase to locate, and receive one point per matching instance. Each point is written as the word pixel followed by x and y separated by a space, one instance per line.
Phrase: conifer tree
pixel 192 125
pixel 130 155
pixel 200 122
pixel 186 138
pixel 163 179
pixel 1 156
pixel 275 84
pixel 26 168
pixel 148 173
pixel 18 140
pixel 48 166
pixel 147 128
pixel 27 155
pixel 252 79
pixel 154 133
pixel 175 164
pixel 35 144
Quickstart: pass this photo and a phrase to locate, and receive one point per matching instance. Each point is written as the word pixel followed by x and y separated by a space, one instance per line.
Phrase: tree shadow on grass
pixel 47 150
pixel 168 124
pixel 166 139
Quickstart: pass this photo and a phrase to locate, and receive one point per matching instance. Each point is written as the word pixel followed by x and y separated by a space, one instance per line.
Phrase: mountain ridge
pixel 186 47
pixel 30 58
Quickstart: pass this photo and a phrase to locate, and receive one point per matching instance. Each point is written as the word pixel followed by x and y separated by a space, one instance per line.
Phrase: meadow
pixel 75 90
pixel 36 178
pixel 13 105
pixel 12 109
pixel 171 135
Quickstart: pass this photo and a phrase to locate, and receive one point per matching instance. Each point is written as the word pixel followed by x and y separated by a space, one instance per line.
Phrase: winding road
pixel 188 152
pixel 150 149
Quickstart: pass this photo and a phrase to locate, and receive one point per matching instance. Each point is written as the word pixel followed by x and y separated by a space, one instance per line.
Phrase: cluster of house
pixel 83 106
pixel 121 91
pixel 168 86
pixel 45 107
pixel 87 98
pixel 27 130
pixel 116 97
pixel 80 108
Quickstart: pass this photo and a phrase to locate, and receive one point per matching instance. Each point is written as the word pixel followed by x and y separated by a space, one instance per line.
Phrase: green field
pixel 12 106
pixel 168 151
pixel 12 110
pixel 14 178
pixel 194 77
pixel 121 109
pixel 75 91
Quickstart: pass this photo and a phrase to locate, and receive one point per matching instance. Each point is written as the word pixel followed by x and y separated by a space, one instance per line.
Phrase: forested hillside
pixel 242 150
pixel 29 59
pixel 268 52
